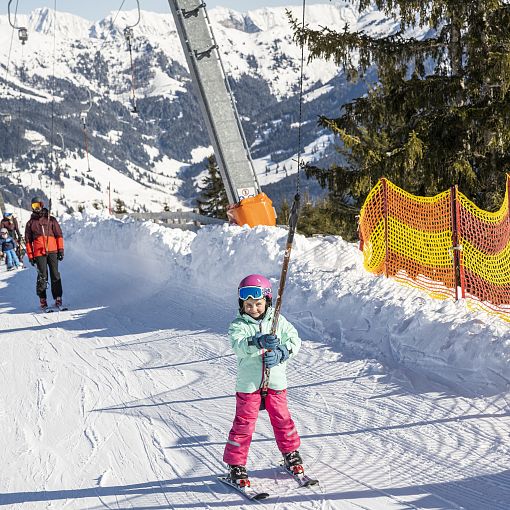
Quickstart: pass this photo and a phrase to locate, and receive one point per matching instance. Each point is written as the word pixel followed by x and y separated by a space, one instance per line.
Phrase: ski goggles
pixel 37 206
pixel 7 214
pixel 4 233
pixel 252 292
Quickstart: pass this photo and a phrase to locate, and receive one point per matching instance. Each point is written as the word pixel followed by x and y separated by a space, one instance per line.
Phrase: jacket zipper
pixel 46 242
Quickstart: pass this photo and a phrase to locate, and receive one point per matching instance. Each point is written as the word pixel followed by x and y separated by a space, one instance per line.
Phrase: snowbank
pixel 328 294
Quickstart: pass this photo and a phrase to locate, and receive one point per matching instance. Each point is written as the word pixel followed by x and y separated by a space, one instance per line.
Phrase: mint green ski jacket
pixel 249 356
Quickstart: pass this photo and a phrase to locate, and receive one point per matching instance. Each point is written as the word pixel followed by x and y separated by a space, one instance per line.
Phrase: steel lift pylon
pixel 248 205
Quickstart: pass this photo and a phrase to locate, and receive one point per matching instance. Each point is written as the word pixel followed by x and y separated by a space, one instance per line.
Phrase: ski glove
pixel 264 341
pixel 32 261
pixel 276 356
pixel 60 255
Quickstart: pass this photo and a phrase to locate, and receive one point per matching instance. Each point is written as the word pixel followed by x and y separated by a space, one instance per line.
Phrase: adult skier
pixel 256 349
pixel 10 222
pixel 45 248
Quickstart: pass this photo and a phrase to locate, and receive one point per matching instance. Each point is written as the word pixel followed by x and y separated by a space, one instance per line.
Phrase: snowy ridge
pixel 92 58
pixel 236 41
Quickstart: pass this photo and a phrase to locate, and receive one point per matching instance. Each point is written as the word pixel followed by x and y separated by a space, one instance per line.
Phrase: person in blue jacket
pixel 9 246
pixel 257 349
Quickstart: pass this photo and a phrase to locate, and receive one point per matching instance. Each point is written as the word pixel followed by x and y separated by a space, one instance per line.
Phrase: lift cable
pixel 22 31
pixel 10 45
pixel 18 133
pixel 113 23
pixel 52 115
pixel 83 118
pixel 128 34
pixel 23 37
pixel 52 131
pixel 293 218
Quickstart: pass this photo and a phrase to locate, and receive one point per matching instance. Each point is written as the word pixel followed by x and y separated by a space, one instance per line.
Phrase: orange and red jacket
pixel 43 235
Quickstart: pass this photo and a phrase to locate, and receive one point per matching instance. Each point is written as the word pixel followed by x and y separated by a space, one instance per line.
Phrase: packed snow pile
pixel 327 292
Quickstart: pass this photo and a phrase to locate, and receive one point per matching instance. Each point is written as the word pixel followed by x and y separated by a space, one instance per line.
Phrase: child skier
pixel 9 250
pixel 256 350
pixel 10 222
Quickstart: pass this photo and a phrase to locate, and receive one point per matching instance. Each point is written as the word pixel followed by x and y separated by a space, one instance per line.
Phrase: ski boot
pixel 43 303
pixel 293 462
pixel 58 302
pixel 238 476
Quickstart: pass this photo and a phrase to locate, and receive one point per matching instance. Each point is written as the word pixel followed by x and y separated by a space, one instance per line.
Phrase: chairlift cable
pixel 128 34
pixel 8 64
pixel 52 130
pixel 22 74
pixel 113 23
pixel 51 151
pixel 133 87
pixel 83 118
pixel 22 31
pixel 86 145
pixel 10 46
pixel 19 110
pixel 139 15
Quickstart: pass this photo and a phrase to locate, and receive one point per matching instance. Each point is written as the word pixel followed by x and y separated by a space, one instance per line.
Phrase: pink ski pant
pixel 247 410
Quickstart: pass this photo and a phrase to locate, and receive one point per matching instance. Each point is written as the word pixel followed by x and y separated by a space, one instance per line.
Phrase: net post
pixel 385 213
pixel 453 213
pixel 459 247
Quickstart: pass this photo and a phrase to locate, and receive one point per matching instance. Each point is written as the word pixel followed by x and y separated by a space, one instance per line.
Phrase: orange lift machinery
pixel 248 204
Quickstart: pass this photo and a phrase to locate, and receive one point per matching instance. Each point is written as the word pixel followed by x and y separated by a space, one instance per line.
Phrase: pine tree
pixel 438 113
pixel 284 213
pixel 213 199
pixel 120 206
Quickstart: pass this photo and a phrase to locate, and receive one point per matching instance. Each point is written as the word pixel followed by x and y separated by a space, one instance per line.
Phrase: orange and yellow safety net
pixel 444 244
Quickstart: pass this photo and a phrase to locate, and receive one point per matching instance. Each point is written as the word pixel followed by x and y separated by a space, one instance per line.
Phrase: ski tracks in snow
pixel 129 407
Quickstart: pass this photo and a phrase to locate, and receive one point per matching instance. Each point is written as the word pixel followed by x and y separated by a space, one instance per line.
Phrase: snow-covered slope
pixel 262 34
pixel 125 401
pixel 70 66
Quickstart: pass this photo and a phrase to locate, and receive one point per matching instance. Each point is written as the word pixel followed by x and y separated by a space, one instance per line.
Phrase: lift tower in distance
pixel 248 205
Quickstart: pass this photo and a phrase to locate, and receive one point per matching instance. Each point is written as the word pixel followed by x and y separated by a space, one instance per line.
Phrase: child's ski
pixel 302 479
pixel 247 492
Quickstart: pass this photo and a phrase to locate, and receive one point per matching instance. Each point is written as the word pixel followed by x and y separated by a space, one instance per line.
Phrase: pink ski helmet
pixel 255 286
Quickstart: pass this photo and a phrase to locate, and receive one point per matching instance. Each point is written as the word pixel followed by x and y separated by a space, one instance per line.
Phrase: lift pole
pixel 218 105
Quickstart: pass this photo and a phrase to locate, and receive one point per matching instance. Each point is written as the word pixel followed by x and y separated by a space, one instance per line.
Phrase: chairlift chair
pixel 22 31
pixel 23 35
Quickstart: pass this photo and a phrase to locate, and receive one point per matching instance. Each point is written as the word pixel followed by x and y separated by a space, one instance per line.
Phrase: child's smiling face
pixel 254 307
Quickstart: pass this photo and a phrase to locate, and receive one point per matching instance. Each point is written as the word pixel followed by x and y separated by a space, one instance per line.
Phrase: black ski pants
pixel 43 263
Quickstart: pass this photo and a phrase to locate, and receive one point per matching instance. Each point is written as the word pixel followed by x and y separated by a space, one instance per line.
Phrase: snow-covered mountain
pixel 125 401
pixel 45 87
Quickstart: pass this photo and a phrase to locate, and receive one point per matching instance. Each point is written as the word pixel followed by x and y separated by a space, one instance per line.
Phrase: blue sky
pixel 97 9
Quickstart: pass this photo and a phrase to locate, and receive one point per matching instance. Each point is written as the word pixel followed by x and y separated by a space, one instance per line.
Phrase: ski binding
pixel 302 479
pixel 247 491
